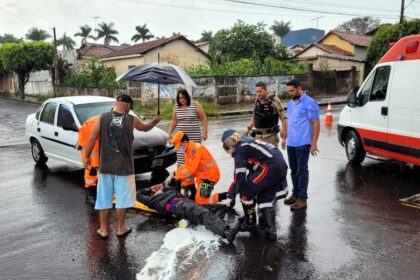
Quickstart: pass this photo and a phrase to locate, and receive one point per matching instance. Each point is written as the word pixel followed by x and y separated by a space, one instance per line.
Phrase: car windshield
pixel 86 111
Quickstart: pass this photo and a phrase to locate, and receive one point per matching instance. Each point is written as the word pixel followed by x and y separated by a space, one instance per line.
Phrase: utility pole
pixel 96 33
pixel 55 81
pixel 401 18
pixel 317 18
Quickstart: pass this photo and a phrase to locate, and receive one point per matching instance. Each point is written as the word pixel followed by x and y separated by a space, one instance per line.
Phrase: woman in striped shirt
pixel 186 117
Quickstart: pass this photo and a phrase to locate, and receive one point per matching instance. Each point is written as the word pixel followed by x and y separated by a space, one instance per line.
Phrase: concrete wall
pixel 69 91
pixel 40 82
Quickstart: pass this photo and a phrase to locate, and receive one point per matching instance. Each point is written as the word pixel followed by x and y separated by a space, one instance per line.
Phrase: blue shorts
pixel 124 188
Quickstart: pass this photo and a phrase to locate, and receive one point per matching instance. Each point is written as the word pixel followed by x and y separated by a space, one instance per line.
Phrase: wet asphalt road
pixel 354 227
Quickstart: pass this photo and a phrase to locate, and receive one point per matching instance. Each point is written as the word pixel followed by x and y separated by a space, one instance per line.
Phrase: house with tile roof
pixel 176 50
pixel 337 51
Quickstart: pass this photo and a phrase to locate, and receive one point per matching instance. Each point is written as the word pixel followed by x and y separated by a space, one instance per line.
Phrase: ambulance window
pixel 364 94
pixel 48 113
pixel 380 85
pixel 65 118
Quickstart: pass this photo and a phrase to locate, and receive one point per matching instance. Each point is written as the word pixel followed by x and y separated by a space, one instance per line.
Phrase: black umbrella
pixel 158 73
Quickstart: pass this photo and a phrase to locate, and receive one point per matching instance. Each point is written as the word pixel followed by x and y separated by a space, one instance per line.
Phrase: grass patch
pixel 166 109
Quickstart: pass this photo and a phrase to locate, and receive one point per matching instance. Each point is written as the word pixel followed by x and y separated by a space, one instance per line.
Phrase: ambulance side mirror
pixel 352 98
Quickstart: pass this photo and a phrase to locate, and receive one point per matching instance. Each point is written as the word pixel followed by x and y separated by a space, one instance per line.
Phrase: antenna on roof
pixel 317 18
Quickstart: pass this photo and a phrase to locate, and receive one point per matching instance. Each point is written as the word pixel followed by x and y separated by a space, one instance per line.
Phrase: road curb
pixel 20 100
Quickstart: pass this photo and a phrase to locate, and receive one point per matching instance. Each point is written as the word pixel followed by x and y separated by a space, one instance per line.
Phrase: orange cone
pixel 328 115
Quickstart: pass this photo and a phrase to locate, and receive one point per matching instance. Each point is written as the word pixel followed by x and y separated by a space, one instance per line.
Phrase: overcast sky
pixel 189 17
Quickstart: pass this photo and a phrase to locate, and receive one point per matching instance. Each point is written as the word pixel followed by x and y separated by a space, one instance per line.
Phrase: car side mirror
pixel 352 98
pixel 71 127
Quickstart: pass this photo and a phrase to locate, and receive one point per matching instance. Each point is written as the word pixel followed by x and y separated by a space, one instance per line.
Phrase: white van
pixel 382 118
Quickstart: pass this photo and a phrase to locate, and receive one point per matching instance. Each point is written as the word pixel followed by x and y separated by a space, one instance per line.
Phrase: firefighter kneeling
pixel 199 166
pixel 267 171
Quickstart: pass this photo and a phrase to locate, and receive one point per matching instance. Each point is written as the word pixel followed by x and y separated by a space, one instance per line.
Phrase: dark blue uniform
pixel 266 172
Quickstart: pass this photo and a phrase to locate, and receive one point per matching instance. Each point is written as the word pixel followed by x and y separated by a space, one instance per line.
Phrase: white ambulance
pixel 382 118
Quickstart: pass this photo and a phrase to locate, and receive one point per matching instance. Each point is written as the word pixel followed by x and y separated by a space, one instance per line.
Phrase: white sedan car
pixel 52 132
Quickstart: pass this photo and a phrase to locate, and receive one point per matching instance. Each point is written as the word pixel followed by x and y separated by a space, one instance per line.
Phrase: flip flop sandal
pixel 98 232
pixel 127 232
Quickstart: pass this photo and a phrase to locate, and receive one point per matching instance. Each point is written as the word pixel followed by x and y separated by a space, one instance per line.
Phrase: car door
pixel 46 128
pixel 66 135
pixel 370 117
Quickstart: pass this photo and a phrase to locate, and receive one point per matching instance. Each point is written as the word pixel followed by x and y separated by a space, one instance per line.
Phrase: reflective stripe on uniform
pixel 240 170
pixel 185 172
pixel 207 166
pixel 259 148
pixel 265 205
pixel 90 181
pixel 281 193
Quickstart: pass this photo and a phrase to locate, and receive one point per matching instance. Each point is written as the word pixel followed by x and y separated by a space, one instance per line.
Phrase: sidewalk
pixel 248 108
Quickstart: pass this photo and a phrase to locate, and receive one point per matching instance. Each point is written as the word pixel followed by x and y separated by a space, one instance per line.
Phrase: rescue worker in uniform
pixel 199 165
pixel 267 112
pixel 90 175
pixel 266 170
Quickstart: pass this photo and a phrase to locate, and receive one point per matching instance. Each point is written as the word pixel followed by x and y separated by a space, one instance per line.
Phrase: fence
pixel 228 90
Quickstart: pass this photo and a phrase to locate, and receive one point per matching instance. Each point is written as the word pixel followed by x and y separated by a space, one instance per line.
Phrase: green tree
pixel 206 36
pixel 143 33
pixel 107 32
pixel 35 34
pixel 359 25
pixel 66 42
pixel 84 33
pixel 175 34
pixel 242 41
pixel 280 28
pixel 23 58
pixel 385 35
pixel 9 38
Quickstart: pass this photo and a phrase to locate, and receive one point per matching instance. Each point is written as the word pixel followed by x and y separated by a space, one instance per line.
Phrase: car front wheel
pixel 354 148
pixel 37 152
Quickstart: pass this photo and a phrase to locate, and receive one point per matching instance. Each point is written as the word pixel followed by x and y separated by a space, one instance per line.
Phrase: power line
pixel 307 10
pixel 24 19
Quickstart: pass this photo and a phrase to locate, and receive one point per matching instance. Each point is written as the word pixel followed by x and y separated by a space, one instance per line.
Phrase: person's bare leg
pixel 103 220
pixel 121 220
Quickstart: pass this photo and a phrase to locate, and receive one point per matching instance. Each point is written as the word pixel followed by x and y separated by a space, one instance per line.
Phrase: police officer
pixel 267 112
pixel 266 170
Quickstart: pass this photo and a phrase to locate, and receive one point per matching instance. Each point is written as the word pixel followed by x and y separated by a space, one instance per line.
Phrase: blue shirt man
pixel 302 140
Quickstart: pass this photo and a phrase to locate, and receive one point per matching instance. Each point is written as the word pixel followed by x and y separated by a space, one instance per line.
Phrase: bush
pixel 248 67
pixel 94 74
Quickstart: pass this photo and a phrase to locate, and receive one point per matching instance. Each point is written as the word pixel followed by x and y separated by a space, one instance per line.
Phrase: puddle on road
pixel 184 254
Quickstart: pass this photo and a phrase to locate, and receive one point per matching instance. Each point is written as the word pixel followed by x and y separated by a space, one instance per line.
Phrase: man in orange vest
pixel 91 177
pixel 199 165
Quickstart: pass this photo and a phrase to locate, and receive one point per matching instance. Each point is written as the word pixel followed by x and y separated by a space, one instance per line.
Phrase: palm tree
pixel 84 33
pixel 35 34
pixel 66 42
pixel 107 32
pixel 175 34
pixel 143 33
pixel 280 28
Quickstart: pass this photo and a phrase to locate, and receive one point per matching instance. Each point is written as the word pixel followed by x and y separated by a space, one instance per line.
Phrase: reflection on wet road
pixel 354 227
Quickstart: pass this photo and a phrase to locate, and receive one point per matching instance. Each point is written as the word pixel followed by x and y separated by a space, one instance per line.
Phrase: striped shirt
pixel 189 123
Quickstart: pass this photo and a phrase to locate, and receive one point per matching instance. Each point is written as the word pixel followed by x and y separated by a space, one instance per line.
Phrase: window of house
pixel 48 113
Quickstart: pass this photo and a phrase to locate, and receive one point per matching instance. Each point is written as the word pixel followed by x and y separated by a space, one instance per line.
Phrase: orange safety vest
pixel 83 137
pixel 199 164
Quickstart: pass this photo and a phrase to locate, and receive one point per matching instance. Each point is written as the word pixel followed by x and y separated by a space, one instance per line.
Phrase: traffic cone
pixel 328 115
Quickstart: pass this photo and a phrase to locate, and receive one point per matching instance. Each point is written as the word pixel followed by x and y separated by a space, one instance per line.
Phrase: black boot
pixel 270 224
pixel 91 196
pixel 250 218
pixel 261 224
pixel 230 233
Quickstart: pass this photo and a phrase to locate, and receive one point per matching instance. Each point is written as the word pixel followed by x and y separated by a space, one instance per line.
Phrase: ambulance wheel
pixel 354 148
pixel 37 152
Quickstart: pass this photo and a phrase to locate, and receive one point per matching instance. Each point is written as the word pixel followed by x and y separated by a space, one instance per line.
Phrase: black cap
pixel 125 98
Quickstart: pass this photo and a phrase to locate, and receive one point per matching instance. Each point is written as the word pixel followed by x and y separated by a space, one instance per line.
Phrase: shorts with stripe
pixel 124 188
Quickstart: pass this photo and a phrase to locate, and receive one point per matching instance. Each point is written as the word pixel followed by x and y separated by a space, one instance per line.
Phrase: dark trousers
pixel 298 163
pixel 199 215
